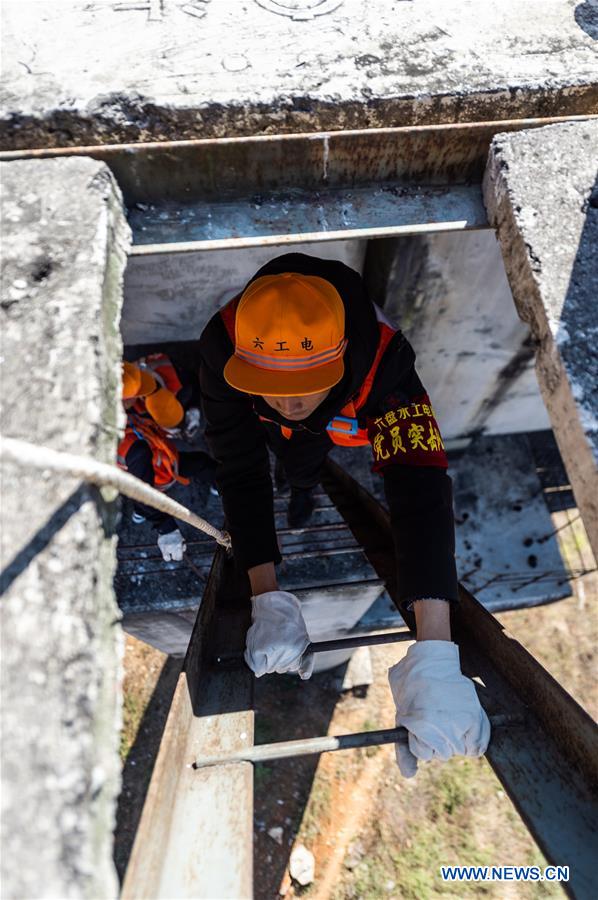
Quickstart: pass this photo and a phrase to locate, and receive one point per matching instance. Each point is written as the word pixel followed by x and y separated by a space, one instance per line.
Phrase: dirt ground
pixel 373 834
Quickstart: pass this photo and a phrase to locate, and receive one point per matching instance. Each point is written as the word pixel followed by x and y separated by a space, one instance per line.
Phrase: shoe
pixel 301 506
pixel 137 518
pixel 280 478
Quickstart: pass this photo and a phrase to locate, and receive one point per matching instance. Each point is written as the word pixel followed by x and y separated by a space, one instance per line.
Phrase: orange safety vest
pixel 141 427
pixel 344 428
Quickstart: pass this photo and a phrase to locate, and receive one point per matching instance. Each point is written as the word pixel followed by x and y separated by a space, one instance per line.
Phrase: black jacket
pixel 417 487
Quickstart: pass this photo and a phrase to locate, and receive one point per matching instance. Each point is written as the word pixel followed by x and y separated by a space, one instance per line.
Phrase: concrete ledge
pixel 541 195
pixel 85 73
pixel 64 250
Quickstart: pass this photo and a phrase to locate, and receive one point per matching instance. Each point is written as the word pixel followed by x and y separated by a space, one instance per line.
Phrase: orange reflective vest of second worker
pixel 344 428
pixel 141 426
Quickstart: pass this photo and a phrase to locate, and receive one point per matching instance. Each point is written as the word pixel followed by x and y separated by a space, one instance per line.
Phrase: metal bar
pixel 358 640
pixel 194 568
pixel 327 744
pixel 312 237
pixel 549 768
pixel 495 125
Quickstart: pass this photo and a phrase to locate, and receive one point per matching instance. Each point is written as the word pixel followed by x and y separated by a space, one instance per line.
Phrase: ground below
pixel 373 834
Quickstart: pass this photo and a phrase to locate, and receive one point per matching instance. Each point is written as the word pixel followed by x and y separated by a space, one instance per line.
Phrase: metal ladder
pixel 195 835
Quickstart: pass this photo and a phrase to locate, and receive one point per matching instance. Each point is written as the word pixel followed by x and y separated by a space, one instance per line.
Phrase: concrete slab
pixel 507 554
pixel 541 192
pixel 450 295
pixel 81 73
pixel 64 248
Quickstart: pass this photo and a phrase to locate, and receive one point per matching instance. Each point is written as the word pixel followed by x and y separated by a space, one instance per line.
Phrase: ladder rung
pixel 286 749
pixel 358 640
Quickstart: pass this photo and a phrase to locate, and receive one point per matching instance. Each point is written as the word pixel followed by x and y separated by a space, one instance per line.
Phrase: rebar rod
pixel 327 744
pixel 357 640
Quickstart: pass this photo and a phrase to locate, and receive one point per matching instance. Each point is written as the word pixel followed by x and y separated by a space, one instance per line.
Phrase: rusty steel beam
pixel 216 168
pixel 548 767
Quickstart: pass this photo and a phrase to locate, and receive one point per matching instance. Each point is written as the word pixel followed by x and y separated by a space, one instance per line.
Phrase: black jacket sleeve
pixel 409 453
pixel 237 442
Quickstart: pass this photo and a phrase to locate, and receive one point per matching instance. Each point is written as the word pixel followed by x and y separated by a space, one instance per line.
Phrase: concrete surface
pixel 64 247
pixel 450 295
pixel 541 192
pixel 171 297
pixel 81 72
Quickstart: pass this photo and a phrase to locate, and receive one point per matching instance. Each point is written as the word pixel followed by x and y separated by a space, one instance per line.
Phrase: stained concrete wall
pixel 170 297
pixel 451 296
pixel 541 192
pixel 81 73
pixel 64 249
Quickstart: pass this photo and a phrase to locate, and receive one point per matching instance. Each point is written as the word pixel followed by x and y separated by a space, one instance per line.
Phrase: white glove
pixel 438 705
pixel 278 638
pixel 191 423
pixel 172 545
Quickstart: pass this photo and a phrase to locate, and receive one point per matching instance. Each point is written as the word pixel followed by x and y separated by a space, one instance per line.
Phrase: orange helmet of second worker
pixel 289 337
pixel 136 382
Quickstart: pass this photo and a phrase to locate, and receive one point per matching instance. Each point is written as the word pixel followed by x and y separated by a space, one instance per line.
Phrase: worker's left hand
pixel 277 639
pixel 437 705
pixel 172 545
pixel 191 423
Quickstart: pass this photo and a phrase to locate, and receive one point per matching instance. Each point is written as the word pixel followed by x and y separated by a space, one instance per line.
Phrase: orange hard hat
pixel 289 337
pixel 164 408
pixel 136 382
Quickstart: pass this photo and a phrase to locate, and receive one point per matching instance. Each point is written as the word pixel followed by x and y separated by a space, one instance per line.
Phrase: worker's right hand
pixel 278 638
pixel 172 545
pixel 437 705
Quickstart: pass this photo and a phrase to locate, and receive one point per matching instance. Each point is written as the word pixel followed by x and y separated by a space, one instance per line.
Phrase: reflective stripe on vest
pixel 165 456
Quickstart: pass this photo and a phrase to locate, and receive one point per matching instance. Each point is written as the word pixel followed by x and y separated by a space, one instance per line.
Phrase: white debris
pixel 302 865
pixel 276 834
pixel 359 672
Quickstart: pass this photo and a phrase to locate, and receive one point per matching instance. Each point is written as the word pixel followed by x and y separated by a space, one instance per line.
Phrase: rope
pixel 105 475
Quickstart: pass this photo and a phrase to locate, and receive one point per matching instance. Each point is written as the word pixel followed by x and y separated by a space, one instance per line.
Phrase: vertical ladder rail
pixel 195 837
pixel 549 765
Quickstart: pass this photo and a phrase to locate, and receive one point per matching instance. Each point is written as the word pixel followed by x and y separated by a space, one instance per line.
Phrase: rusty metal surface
pixel 195 838
pixel 283 218
pixel 549 766
pixel 217 169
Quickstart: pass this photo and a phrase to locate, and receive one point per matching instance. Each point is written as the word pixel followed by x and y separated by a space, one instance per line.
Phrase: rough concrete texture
pixel 64 250
pixel 171 297
pixel 81 72
pixel 541 192
pixel 450 295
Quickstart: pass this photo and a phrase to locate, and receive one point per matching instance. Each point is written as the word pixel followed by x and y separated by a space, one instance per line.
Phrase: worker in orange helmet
pixel 155 398
pixel 301 361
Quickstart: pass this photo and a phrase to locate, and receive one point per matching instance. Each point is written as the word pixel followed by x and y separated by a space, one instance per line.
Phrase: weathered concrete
pixel 451 297
pixel 541 192
pixel 82 73
pixel 171 297
pixel 64 247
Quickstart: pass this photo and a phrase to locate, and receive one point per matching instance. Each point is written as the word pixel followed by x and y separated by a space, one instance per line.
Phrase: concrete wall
pixel 541 192
pixel 170 297
pixel 64 249
pixel 450 294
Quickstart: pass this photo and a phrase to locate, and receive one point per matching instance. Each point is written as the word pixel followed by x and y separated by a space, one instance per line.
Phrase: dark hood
pixel 361 330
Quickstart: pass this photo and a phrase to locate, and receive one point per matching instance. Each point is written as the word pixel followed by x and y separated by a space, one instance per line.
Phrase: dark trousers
pixel 302 455
pixel 196 465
